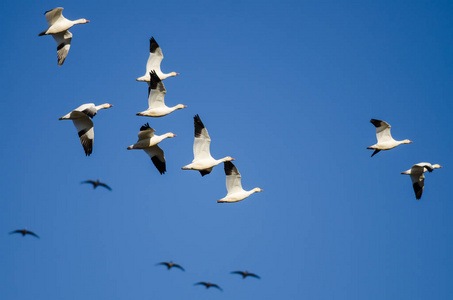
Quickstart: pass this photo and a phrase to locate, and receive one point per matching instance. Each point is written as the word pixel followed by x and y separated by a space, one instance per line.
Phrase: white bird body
pixel 148 141
pixel 417 177
pixel 234 187
pixel 58 28
pixel 384 137
pixel 154 60
pixel 81 119
pixel 156 96
pixel 203 161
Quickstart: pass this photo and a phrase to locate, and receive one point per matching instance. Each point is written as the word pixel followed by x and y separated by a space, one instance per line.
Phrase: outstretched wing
pixel 21 231
pixel 156 91
pixel 253 275
pixel 88 181
pixel 233 178
pixel 63 40
pixel 157 156
pixel 155 56
pixel 53 15
pixel 146 132
pixel 32 233
pixel 178 266
pixel 216 286
pixel 238 272
pixel 104 185
pixel 202 140
pixel 418 183
pixel 382 130
pixel 85 130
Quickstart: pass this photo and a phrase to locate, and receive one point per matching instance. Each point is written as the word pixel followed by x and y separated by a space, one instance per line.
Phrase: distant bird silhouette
pixel 245 274
pixel 208 285
pixel 24 232
pixel 171 265
pixel 97 183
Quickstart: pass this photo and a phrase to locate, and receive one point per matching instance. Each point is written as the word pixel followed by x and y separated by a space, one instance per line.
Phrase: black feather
pixel 153 45
pixel 198 125
pixel 160 165
pixel 144 127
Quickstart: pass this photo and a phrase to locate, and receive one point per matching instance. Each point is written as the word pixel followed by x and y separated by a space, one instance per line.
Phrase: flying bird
pixel 384 138
pixel 24 232
pixel 233 184
pixel 154 60
pixel 171 265
pixel 245 274
pixel 203 161
pixel 417 177
pixel 82 122
pixel 97 183
pixel 156 95
pixel 58 28
pixel 148 142
pixel 208 285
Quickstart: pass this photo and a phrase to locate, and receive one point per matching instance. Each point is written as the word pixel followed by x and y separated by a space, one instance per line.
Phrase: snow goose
pixel 171 265
pixel 384 138
pixel 234 187
pixel 418 179
pixel 154 60
pixel 203 161
pixel 156 95
pixel 208 285
pixel 82 122
pixel 97 183
pixel 148 141
pixel 58 28
pixel 245 274
pixel 24 232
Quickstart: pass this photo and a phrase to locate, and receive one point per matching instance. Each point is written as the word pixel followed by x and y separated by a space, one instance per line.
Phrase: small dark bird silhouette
pixel 245 274
pixel 24 232
pixel 208 285
pixel 170 265
pixel 97 183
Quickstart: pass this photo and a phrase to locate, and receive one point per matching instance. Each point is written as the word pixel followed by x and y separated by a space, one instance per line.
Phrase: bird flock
pixel 149 142
pixel 385 141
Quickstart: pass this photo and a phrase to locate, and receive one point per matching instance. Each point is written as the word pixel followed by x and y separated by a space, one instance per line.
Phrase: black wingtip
pixel 375 122
pixel 160 165
pixel 153 45
pixel 228 166
pixel 154 80
pixel 144 127
pixel 375 152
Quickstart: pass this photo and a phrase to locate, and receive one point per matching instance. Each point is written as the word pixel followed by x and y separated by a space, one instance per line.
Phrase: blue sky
pixel 287 88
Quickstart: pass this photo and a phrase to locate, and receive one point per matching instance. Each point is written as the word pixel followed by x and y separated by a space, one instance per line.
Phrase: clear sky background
pixel 287 88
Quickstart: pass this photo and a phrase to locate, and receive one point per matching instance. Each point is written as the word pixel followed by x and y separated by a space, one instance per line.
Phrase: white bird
pixel 384 138
pixel 58 28
pixel 203 161
pixel 81 118
pixel 234 187
pixel 148 142
pixel 156 95
pixel 418 179
pixel 154 60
